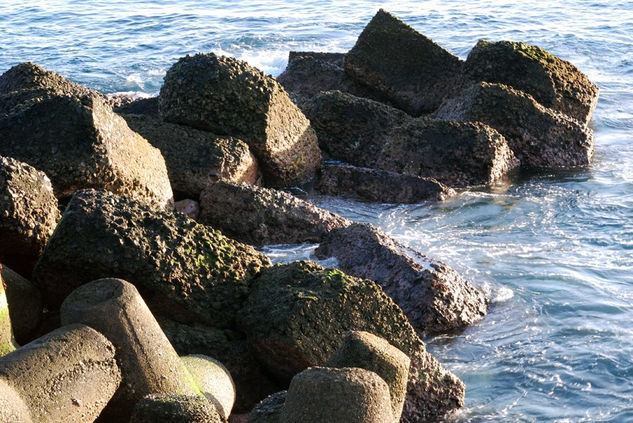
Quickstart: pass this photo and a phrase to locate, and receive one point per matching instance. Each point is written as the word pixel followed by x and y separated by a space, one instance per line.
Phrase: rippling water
pixel 553 250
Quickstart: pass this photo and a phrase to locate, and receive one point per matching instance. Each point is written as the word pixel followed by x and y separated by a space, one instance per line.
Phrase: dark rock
pixel 403 65
pixel 28 214
pixel 25 304
pixel 539 137
pixel 378 185
pixel 259 216
pixel 182 268
pixel 139 106
pixel 195 158
pixel 228 97
pixel 269 409
pixel 175 409
pixel 297 315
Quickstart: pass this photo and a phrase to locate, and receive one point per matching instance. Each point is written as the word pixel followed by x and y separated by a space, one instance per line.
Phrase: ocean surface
pixel 553 250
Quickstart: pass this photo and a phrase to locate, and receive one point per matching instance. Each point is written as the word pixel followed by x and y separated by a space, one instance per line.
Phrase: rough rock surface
pixel 175 409
pixel 297 315
pixel 228 97
pixel 12 408
pixel 553 82
pixel 435 298
pixel 72 134
pixel 403 65
pixel 261 216
pixel 28 214
pixel 182 268
pixel 351 395
pixel 269 409
pixel 139 106
pixel 195 158
pixel 25 304
pixel 539 137
pixel 214 381
pixel 378 185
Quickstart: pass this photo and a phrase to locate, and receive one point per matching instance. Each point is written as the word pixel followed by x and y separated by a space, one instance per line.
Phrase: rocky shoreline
pixel 130 271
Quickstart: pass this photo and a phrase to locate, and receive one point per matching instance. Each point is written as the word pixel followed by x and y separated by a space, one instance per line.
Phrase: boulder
pixel 189 208
pixel 28 214
pixel 366 133
pixel 214 381
pixel 7 340
pixel 269 409
pixel 538 136
pixel 228 97
pixel 72 134
pixel 553 82
pixel 181 268
pixel 406 67
pixel 139 106
pixel 165 408
pixel 261 216
pixel 297 315
pixel 351 395
pixel 25 304
pixel 12 408
pixel 379 186
pixel 195 158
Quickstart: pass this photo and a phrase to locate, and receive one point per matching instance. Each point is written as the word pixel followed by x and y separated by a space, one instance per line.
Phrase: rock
pixel 379 186
pixel 68 375
pixel 7 341
pixel 189 208
pixel 149 364
pixel 539 137
pixel 297 315
pixel 183 269
pixel 370 134
pixel 28 214
pixel 25 304
pixel 403 65
pixel 269 409
pixel 228 97
pixel 435 298
pixel 553 82
pixel 12 408
pixel 214 381
pixel 139 106
pixel 369 352
pixel 72 134
pixel 195 158
pixel 351 395
pixel 175 409
pixel 261 216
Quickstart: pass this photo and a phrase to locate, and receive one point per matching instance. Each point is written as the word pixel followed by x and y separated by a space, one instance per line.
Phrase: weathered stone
pixel 12 408
pixel 7 341
pixel 553 82
pixel 269 409
pixel 68 375
pixel 228 97
pixel 370 134
pixel 72 134
pixel 435 298
pixel 165 408
pixel 259 216
pixel 28 214
pixel 403 65
pixel 189 208
pixel 189 271
pixel 25 304
pixel 378 185
pixel 139 106
pixel 195 158
pixel 298 314
pixel 351 395
pixel 214 380
pixel 539 137
pixel 370 352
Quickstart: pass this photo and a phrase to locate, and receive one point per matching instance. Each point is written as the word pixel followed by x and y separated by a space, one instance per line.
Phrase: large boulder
pixel 28 214
pixel 228 97
pixel 25 304
pixel 553 82
pixel 182 268
pixel 260 216
pixel 195 158
pixel 214 381
pixel 173 408
pixel 297 315
pixel 403 65
pixel 538 136
pixel 72 134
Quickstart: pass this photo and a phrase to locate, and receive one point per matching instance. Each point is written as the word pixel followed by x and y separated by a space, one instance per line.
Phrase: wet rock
pixel 269 409
pixel 435 298
pixel 322 394
pixel 189 208
pixel 195 158
pixel 174 409
pixel 228 97
pixel 28 214
pixel 139 106
pixel 7 341
pixel 370 134
pixel 403 65
pixel 297 315
pixel 539 137
pixel 378 185
pixel 25 304
pixel 72 134
pixel 184 269
pixel 214 381
pixel 261 216
pixel 553 82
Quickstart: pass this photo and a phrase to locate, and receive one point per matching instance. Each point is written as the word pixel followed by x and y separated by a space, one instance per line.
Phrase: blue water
pixel 554 251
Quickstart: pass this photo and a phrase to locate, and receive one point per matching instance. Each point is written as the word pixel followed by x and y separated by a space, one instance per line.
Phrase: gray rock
pixel 214 381
pixel 189 208
pixel 25 304
pixel 139 106
pixel 269 409
pixel 175 409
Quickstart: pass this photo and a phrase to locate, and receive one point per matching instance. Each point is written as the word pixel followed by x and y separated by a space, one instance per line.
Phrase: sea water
pixel 553 250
